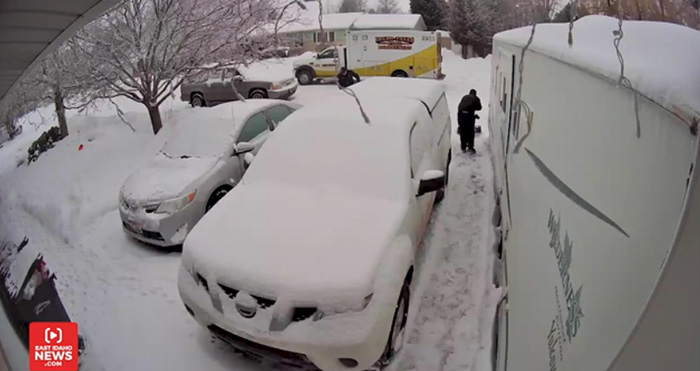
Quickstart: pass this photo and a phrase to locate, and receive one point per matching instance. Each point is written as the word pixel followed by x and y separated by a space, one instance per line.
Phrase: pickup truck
pixel 210 87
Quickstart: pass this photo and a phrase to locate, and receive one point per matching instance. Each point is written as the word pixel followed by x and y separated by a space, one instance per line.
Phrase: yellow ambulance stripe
pixel 427 62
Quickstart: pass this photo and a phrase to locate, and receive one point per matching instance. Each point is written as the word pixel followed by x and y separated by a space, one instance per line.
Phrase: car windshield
pixel 198 138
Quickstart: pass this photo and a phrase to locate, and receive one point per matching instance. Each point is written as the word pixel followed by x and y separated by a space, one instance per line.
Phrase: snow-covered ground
pixel 124 294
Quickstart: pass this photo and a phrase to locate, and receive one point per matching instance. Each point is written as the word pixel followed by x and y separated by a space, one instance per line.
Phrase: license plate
pixel 133 226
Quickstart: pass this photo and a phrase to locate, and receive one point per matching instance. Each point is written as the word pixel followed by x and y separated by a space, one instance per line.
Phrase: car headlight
pixel 324 312
pixel 172 206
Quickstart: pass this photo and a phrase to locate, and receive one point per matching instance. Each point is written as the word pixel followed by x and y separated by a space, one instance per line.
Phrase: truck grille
pixel 259 351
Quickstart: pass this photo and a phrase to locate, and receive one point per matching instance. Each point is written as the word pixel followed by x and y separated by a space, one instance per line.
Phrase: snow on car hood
pixel 165 178
pixel 307 244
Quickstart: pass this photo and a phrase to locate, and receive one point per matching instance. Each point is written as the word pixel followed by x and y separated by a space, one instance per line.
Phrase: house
pixel 304 33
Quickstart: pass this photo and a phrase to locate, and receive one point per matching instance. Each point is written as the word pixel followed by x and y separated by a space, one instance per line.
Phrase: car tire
pixel 304 77
pixel 217 195
pixel 257 94
pixel 440 194
pixel 397 335
pixel 197 100
pixel 399 73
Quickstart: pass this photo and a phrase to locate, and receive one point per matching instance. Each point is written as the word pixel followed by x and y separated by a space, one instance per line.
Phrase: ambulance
pixel 398 53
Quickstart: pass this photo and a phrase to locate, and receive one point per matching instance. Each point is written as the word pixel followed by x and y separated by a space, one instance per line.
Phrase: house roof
pixel 308 21
pixel 660 59
pixel 23 45
pixel 389 21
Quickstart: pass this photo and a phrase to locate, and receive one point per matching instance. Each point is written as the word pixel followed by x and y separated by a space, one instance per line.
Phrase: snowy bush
pixel 43 143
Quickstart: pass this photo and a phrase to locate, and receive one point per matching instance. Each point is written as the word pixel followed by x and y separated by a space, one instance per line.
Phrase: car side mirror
pixel 243 148
pixel 248 158
pixel 238 78
pixel 431 181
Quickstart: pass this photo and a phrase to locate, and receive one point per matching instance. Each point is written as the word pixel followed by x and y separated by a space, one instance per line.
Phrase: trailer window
pixel 330 36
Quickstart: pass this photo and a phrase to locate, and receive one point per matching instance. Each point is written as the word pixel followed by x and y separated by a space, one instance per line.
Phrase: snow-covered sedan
pixel 203 158
pixel 311 258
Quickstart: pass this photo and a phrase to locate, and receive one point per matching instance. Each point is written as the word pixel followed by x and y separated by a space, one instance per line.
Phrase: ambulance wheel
pixel 399 73
pixel 304 77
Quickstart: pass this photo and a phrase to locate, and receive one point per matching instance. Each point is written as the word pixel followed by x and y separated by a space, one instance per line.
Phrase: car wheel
pixel 197 100
pixel 397 334
pixel 257 94
pixel 399 73
pixel 216 196
pixel 304 77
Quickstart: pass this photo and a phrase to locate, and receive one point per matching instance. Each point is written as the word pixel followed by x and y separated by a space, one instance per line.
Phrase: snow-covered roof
pixel 307 20
pixel 661 59
pixel 427 91
pixel 389 21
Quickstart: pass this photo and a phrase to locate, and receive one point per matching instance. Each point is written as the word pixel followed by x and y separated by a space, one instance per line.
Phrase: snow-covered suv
pixel 311 257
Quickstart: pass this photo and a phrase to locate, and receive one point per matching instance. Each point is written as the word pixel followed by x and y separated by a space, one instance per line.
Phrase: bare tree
pixel 683 12
pixel 351 6
pixel 55 80
pixel 144 49
pixel 388 7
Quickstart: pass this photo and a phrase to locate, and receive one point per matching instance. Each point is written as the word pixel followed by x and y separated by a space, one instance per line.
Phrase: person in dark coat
pixel 466 119
pixel 347 77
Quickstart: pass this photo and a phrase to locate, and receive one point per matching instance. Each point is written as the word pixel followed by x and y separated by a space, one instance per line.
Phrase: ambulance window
pixel 328 53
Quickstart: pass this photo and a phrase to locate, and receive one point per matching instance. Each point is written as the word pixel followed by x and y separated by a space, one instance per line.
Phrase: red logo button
pixel 53 346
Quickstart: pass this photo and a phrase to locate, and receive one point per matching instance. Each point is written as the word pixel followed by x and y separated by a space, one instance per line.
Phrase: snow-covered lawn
pixel 124 294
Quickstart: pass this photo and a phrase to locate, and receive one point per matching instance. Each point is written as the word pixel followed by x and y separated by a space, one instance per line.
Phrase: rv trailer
pixel 598 216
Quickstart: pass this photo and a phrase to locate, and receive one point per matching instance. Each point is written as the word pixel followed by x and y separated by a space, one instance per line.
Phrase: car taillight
pixel 45 274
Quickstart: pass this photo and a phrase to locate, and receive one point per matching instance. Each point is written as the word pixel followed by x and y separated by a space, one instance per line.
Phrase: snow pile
pixel 661 59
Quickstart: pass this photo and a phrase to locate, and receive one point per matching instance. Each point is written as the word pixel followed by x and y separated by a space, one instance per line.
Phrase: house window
pixel 330 36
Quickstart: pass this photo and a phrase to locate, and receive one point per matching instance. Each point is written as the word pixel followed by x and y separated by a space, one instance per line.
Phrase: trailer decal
pixel 562 332
pixel 403 64
pixel 563 253
pixel 571 194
